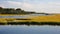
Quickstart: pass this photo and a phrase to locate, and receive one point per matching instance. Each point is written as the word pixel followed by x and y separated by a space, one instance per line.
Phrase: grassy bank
pixel 50 19
pixel 30 23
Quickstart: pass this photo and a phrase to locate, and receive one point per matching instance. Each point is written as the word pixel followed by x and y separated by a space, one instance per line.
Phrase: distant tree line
pixel 13 11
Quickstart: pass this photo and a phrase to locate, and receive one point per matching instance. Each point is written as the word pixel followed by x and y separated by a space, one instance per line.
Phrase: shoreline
pixel 52 19
pixel 30 23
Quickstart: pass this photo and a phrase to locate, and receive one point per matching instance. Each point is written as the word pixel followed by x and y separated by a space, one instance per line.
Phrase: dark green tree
pixel 1 10
pixel 18 10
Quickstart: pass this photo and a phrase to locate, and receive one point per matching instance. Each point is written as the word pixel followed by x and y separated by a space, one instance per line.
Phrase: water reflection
pixel 23 29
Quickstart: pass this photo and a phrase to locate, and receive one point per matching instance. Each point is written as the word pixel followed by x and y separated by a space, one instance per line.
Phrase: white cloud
pixel 27 5
pixel 18 5
pixel 14 3
pixel 50 7
pixel 2 5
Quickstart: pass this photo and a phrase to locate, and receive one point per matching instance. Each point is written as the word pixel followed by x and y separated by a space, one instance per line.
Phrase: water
pixel 23 16
pixel 33 29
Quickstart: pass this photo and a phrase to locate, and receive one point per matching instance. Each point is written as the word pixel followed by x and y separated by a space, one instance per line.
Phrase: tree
pixel 13 11
pixel 9 10
pixel 18 10
pixel 1 9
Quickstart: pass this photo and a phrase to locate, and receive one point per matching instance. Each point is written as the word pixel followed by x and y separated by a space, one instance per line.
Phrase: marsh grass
pixel 34 20
pixel 30 23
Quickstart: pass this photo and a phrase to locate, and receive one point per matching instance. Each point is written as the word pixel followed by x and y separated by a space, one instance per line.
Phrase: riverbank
pixel 30 23
pixel 50 19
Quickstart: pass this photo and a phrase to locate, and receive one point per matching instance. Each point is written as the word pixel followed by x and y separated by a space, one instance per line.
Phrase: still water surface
pixel 33 29
pixel 23 16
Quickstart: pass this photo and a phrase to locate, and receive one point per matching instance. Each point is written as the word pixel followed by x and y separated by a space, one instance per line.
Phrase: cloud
pixel 49 7
pixel 1 5
pixel 14 3
pixel 27 5
pixel 52 7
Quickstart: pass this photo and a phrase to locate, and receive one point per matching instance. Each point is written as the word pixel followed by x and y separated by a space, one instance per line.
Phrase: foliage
pixel 13 11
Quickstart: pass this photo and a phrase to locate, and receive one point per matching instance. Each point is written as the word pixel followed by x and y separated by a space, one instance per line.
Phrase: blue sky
pixel 47 6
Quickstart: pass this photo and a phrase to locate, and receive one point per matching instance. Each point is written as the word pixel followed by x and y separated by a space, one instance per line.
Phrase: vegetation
pixel 34 23
pixel 30 23
pixel 32 20
pixel 13 11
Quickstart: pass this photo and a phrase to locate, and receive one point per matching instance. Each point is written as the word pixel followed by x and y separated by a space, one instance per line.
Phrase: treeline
pixel 13 11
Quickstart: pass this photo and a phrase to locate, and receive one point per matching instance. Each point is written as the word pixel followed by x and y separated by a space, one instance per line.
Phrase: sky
pixel 46 6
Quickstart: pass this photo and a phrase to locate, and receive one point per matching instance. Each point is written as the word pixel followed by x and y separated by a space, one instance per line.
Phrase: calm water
pixel 23 16
pixel 33 29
